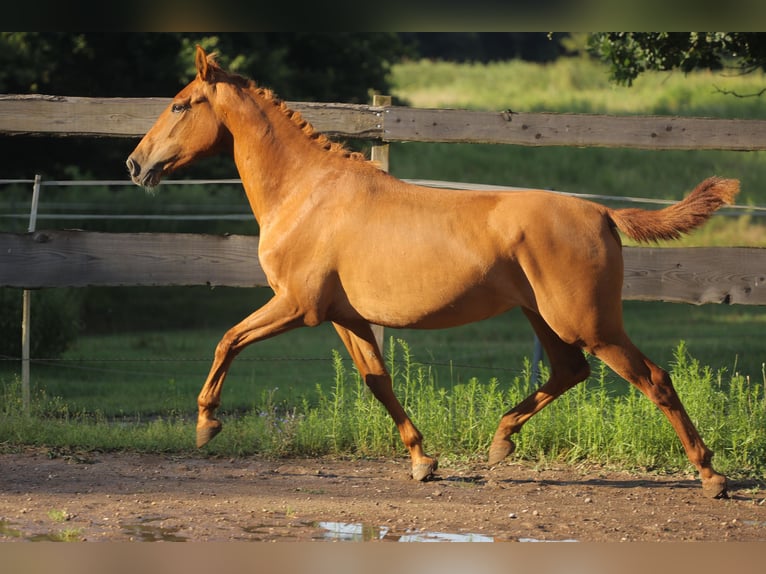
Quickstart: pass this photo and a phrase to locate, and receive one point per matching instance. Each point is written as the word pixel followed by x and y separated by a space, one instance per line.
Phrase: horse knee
pixel 225 347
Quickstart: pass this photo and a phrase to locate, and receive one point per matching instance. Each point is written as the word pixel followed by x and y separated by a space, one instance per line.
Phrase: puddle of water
pixel 536 540
pixel 754 523
pixel 6 530
pixel 444 537
pixel 351 532
pixel 63 536
pixel 50 537
pixel 357 532
pixel 144 532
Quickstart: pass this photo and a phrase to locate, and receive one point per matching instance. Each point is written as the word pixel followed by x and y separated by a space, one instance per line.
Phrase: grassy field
pixel 145 373
pixel 582 86
pixel 591 423
pixel 575 85
pixel 143 354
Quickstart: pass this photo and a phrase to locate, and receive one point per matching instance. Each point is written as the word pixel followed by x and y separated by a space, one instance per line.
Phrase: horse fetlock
pixel 207 431
pixel 499 450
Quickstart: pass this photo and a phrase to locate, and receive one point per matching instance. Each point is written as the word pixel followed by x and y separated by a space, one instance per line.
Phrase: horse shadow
pixel 618 484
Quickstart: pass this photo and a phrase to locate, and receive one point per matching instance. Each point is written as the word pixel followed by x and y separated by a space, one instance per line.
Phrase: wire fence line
pixel 136 217
pixel 9 358
pixel 77 363
pixel 183 214
pixel 80 364
pixel 245 215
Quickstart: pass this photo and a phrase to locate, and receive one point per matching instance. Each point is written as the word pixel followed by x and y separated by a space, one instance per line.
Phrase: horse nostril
pixel 134 168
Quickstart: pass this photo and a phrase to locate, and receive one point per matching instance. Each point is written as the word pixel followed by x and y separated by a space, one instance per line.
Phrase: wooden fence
pixel 122 117
pixel 58 258
pixel 80 259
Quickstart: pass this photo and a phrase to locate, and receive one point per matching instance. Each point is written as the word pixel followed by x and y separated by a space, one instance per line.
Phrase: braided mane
pixel 304 125
pixel 296 117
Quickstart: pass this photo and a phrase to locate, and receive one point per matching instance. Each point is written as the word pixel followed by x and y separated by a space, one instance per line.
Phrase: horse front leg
pixel 277 316
pixel 364 350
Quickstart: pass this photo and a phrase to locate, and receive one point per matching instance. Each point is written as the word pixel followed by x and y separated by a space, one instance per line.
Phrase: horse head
pixel 188 129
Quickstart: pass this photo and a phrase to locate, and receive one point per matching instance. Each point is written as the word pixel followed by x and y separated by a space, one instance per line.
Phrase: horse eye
pixel 178 108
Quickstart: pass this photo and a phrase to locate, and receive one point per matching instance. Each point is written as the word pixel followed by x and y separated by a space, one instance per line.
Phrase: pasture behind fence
pixel 56 258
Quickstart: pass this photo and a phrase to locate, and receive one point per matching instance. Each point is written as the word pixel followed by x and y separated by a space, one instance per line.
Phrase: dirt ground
pixel 124 496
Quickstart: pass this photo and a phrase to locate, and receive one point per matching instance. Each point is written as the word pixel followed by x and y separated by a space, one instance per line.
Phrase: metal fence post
pixel 26 309
pixel 537 358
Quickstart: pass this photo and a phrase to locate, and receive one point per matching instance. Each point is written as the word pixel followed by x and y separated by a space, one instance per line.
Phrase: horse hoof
pixel 208 432
pixel 424 470
pixel 715 487
pixel 500 450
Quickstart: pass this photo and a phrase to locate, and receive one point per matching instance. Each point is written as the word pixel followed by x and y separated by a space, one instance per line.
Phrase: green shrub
pixel 54 319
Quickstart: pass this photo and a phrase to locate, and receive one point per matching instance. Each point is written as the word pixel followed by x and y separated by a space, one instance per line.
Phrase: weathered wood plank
pixel 343 120
pixel 70 116
pixel 547 129
pixel 696 275
pixel 132 117
pixel 80 259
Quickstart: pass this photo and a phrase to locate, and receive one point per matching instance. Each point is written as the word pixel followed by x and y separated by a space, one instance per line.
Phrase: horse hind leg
pixel 364 350
pixel 568 367
pixel 631 364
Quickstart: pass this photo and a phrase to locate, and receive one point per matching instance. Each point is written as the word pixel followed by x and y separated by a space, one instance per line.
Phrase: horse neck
pixel 270 152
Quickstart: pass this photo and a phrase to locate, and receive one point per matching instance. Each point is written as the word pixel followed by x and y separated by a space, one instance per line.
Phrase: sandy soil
pixel 124 496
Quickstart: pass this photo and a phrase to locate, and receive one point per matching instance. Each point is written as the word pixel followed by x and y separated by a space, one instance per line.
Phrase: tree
pixel 486 46
pixel 629 54
pixel 343 67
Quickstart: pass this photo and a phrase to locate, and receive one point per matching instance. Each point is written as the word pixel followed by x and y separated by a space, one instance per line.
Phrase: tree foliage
pixel 629 54
pixel 486 46
pixel 342 67
pixel 338 67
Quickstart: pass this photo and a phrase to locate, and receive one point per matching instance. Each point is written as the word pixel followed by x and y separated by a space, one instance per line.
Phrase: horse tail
pixel 682 217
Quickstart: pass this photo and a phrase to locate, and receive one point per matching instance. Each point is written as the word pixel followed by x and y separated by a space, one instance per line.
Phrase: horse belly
pixel 426 301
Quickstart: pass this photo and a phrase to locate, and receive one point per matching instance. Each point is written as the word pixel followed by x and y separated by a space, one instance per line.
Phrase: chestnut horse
pixel 343 241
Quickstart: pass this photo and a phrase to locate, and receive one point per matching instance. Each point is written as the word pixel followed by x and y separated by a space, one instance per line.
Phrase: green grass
pixel 574 85
pixel 148 373
pixel 594 422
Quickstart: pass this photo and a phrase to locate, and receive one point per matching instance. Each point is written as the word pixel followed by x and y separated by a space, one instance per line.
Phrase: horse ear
pixel 200 60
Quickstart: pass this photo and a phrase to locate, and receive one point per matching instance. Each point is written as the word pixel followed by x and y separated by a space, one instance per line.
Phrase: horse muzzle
pixel 149 178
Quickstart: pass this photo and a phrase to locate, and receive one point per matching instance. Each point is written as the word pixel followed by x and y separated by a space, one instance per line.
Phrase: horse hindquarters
pixel 579 306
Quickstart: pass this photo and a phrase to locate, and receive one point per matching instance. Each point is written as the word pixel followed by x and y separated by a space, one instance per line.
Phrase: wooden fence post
pixel 379 154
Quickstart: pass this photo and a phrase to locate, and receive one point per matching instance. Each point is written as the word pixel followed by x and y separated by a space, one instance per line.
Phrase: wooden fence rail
pixel 78 259
pixel 132 117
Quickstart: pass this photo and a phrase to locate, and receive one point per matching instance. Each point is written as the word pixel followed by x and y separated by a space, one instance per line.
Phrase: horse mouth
pixel 150 179
pixel 145 178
